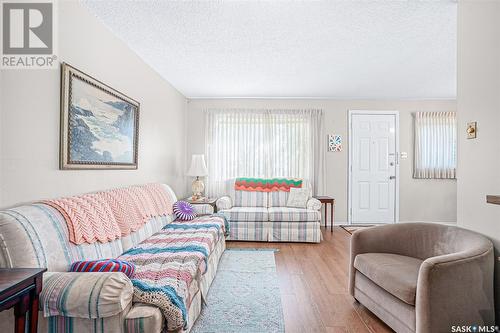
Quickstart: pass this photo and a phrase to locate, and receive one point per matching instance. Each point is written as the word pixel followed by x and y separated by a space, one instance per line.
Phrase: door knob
pixel 392 177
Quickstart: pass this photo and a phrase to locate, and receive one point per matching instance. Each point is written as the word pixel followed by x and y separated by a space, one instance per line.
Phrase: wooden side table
pixel 204 201
pixel 20 288
pixel 327 200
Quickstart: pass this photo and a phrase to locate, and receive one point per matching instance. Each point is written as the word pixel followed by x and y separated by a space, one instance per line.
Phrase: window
pixel 263 143
pixel 435 145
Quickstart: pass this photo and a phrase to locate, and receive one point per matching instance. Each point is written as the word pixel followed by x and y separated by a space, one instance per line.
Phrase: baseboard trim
pixel 439 222
pixel 345 223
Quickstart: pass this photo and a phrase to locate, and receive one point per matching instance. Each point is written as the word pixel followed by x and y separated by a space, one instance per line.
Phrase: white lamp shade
pixel 198 167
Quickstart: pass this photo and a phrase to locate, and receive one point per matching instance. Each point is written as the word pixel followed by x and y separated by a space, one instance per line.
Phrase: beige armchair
pixel 423 277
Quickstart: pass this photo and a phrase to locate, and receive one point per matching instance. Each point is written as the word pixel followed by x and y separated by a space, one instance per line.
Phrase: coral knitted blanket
pixel 266 184
pixel 108 215
pixel 169 262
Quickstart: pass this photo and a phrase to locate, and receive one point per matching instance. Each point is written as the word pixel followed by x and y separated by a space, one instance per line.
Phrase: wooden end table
pixel 20 288
pixel 327 200
pixel 204 201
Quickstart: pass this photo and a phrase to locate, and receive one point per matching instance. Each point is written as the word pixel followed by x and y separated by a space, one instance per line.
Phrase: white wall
pixel 479 100
pixel 1 139
pixel 29 135
pixel 420 200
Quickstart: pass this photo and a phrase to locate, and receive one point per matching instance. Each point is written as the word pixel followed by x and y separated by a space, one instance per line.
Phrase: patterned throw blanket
pixel 266 184
pixel 169 262
pixel 108 215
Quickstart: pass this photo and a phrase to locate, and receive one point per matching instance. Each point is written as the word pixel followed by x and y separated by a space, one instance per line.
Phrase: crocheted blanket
pixel 169 262
pixel 108 215
pixel 266 184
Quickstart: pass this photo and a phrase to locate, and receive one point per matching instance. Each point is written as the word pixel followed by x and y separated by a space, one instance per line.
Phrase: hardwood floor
pixel 313 283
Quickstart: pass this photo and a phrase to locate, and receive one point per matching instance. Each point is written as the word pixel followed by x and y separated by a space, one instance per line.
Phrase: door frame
pixel 349 160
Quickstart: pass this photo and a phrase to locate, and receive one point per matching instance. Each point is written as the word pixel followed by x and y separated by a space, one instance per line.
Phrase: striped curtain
pixel 435 145
pixel 264 144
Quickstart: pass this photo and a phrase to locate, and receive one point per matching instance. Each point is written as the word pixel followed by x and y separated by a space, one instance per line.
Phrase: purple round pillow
pixel 184 211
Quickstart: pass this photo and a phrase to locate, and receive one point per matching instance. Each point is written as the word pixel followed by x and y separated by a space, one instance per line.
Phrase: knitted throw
pixel 169 262
pixel 108 215
pixel 266 184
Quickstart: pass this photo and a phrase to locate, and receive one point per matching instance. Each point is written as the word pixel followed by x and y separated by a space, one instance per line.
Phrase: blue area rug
pixel 245 295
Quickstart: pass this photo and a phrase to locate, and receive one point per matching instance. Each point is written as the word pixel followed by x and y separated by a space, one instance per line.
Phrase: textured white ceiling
pixel 334 49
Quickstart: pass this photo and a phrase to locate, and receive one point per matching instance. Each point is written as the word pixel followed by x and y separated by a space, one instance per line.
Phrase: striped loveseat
pixel 264 216
pixel 36 235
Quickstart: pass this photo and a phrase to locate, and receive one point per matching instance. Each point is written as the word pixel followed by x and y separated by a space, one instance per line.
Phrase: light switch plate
pixel 471 130
pixel 404 155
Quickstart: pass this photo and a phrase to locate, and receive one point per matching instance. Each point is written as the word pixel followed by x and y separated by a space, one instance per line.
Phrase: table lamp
pixel 198 169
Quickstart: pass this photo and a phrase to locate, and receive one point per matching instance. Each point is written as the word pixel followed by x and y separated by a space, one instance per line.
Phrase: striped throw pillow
pixel 184 211
pixel 103 265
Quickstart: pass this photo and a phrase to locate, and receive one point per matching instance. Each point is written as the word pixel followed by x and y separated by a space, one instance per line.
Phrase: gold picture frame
pixel 99 125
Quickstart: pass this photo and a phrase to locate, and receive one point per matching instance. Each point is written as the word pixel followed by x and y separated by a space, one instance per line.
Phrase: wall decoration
pixel 334 143
pixel 99 125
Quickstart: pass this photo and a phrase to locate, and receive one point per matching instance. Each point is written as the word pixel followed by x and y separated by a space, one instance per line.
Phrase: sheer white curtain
pixel 435 145
pixel 264 143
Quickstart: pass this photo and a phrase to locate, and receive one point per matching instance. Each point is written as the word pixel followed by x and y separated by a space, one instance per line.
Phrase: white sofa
pixel 36 235
pixel 263 216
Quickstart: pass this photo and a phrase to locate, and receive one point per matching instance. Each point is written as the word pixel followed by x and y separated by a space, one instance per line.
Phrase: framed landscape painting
pixel 99 125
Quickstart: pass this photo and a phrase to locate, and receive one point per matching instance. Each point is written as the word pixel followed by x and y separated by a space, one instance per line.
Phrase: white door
pixel 374 168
